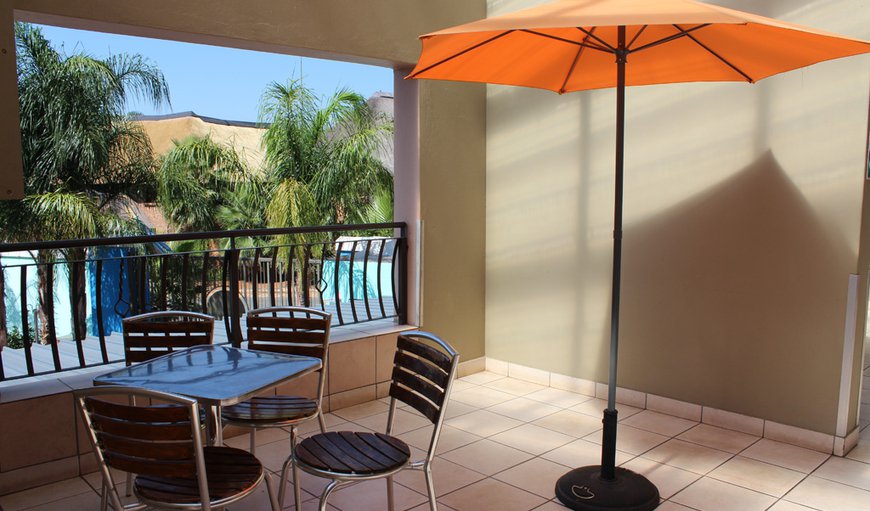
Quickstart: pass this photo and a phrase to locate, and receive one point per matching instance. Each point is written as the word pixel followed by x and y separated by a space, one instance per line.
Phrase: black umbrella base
pixel 584 489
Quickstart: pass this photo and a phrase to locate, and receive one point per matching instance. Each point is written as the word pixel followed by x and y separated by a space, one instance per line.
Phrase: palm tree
pixel 326 154
pixel 82 156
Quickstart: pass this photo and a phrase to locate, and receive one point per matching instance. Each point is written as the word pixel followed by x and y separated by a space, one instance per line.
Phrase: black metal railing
pixel 63 301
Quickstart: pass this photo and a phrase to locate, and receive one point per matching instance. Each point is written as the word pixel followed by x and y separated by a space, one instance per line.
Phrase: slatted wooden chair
pixel 297 331
pixel 154 334
pixel 424 368
pixel 151 335
pixel 162 444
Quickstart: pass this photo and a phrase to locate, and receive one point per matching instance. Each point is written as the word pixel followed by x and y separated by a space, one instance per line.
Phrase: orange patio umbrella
pixel 575 45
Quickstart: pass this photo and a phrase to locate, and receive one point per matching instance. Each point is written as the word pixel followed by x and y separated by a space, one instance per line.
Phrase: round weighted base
pixel 584 489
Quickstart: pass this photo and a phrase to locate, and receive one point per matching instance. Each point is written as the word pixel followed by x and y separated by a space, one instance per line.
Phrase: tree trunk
pixel 4 339
pixel 43 261
pixel 79 291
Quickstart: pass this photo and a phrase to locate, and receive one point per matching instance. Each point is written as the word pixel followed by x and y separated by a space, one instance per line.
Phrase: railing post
pixel 402 263
pixel 234 297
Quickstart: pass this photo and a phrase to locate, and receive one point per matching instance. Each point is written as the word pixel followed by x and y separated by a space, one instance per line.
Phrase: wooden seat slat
pixel 414 400
pixel 420 385
pixel 294 336
pixel 311 453
pixel 429 353
pixel 229 472
pixel 285 322
pixel 356 453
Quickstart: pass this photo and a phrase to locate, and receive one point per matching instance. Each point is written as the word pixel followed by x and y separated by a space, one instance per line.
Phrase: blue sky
pixel 222 82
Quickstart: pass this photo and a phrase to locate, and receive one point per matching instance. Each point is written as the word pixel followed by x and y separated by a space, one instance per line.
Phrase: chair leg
pixel 297 485
pixel 390 498
pixel 430 487
pixel 322 422
pixel 270 488
pixel 129 490
pixel 104 498
pixel 326 492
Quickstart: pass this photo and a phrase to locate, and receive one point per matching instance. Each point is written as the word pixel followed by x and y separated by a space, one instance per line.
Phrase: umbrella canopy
pixel 574 45
pixel 568 45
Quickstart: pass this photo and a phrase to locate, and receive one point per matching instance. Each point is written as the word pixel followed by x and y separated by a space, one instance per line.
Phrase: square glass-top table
pixel 216 376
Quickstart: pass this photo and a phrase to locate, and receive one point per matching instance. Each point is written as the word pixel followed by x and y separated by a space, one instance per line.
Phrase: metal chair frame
pixel 109 490
pixel 340 479
pixel 132 332
pixel 291 312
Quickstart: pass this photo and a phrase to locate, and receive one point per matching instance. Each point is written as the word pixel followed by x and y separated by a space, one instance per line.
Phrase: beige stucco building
pixel 746 239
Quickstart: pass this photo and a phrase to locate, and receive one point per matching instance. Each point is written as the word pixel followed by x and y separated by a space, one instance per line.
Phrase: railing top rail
pixel 158 238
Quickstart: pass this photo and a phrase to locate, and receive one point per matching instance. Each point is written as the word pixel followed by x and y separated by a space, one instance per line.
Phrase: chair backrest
pixel 151 335
pixel 151 440
pixel 291 330
pixel 424 368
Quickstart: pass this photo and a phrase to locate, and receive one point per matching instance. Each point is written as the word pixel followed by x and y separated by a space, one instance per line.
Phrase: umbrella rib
pixel 683 33
pixel 585 42
pixel 720 57
pixel 463 52
pixel 610 49
pixel 574 64
pixel 633 39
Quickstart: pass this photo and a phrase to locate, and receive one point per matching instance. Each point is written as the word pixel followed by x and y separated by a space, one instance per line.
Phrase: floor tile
pixel 523 409
pixel 570 423
pixel 658 423
pixel 448 477
pixel 595 408
pixel 552 505
pixel 537 475
pixel 532 439
pixel 482 377
pixel 718 438
pixel 846 471
pixel 631 440
pixel 352 413
pixel 514 386
pixel 483 423
pixel 692 457
pixel 88 500
pixel 460 384
pixel 481 397
pixel 450 438
pixel 581 453
pixel 44 494
pixel 487 457
pixel 402 422
pixel 372 496
pixel 824 495
pixel 672 506
pixel 783 505
pixel 785 455
pixel 711 495
pixel 492 495
pixel 455 409
pixel 758 476
pixel 669 480
pixel 558 397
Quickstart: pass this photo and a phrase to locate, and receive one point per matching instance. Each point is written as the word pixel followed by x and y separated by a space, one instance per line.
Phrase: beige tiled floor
pixel 507 441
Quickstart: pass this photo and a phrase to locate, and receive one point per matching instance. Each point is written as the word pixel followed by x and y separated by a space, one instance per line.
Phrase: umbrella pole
pixel 608 444
pixel 603 488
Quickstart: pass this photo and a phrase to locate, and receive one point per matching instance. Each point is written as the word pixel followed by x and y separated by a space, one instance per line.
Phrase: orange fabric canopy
pixel 569 45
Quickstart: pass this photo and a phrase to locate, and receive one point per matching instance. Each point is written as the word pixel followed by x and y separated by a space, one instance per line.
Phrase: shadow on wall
pixel 735 299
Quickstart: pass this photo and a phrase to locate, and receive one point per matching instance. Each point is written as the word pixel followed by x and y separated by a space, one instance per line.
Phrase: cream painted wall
pixel 383 32
pixel 742 224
